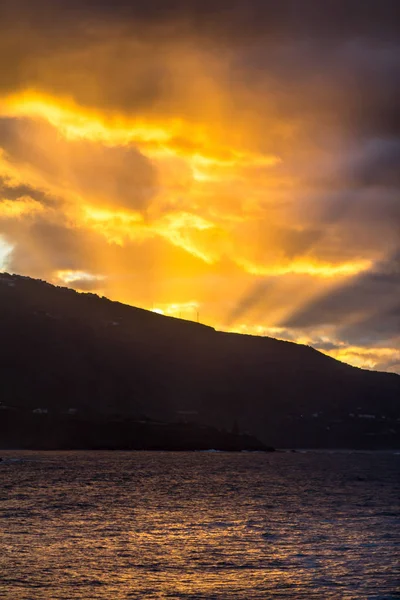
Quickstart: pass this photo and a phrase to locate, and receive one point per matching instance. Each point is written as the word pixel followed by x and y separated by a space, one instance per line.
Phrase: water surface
pixel 115 525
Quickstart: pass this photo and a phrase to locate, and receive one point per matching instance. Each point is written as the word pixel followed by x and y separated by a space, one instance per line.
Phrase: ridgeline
pixel 78 356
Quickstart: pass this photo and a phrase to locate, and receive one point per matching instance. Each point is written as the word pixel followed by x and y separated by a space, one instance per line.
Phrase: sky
pixel 236 162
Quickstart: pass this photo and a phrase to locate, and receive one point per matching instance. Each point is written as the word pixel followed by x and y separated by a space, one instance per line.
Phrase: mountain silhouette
pixel 69 353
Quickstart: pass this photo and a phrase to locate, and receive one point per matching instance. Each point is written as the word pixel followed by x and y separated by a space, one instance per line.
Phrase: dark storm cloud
pixel 360 17
pixel 8 191
pixel 364 310
pixel 337 50
pixel 364 221
pixel 325 345
pixel 41 246
pixel 297 242
pixel 375 328
pixel 378 164
pixel 64 245
pixel 355 201
pixel 372 162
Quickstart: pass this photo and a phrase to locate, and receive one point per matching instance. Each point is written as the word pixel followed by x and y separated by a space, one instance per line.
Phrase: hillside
pixel 61 351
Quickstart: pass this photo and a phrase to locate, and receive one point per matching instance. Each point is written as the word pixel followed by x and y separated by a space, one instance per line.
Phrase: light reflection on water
pixel 117 525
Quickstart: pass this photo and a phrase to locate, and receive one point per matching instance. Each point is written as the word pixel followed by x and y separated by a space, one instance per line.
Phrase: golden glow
pixel 182 310
pixel 157 138
pixel 212 226
pixel 316 269
pixel 5 250
pixel 71 276
pixel 75 122
pixel 11 209
pixel 358 356
pixel 177 228
pixel 365 358
pixel 117 226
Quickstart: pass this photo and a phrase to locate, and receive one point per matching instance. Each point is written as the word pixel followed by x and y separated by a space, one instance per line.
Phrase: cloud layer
pixel 238 157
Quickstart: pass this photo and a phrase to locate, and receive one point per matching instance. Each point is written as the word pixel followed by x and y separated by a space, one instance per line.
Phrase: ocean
pixel 207 525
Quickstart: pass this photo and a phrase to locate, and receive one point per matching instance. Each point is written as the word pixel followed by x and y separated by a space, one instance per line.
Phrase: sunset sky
pixel 238 160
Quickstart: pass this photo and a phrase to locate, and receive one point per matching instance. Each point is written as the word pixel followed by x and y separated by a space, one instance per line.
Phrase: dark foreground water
pixel 117 525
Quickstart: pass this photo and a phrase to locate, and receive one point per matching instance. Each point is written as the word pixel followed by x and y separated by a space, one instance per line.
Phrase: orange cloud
pixel 181 184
